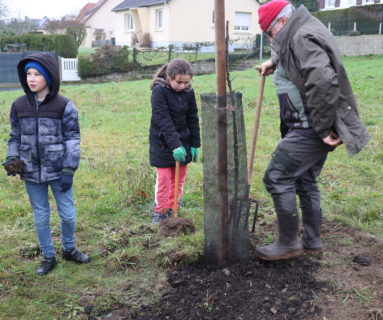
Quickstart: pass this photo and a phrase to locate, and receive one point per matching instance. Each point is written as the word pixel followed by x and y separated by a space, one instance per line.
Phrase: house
pixel 343 4
pixel 179 22
pixel 100 22
pixel 165 22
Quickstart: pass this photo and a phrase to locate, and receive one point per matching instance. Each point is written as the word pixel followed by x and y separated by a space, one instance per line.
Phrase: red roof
pixel 86 9
pixel 90 12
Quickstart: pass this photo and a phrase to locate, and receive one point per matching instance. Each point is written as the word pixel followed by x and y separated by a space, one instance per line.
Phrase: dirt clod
pixel 362 260
pixel 174 227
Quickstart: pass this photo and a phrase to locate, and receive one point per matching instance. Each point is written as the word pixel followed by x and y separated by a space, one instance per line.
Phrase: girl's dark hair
pixel 172 69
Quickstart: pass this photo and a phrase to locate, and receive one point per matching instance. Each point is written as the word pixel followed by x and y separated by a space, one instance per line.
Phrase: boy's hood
pixel 51 66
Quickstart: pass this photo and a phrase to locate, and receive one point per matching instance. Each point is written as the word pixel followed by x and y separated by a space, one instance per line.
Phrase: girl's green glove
pixel 179 154
pixel 194 152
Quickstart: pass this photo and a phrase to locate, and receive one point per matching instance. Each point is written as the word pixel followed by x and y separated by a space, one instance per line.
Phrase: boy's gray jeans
pixel 293 170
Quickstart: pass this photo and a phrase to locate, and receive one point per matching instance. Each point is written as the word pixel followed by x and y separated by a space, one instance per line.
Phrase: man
pixel 318 113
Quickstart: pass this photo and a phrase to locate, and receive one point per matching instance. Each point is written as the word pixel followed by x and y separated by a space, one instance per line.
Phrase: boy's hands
pixel 179 154
pixel 66 181
pixel 13 166
pixel 194 152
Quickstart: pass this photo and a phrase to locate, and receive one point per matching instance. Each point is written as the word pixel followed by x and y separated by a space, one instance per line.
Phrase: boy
pixel 44 148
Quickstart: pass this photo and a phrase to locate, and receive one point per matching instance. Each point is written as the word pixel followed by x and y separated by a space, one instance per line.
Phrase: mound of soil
pixel 345 283
pixel 249 290
pixel 174 227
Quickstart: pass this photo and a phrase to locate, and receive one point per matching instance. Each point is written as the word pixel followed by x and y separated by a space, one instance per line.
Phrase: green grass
pixel 158 57
pixel 114 193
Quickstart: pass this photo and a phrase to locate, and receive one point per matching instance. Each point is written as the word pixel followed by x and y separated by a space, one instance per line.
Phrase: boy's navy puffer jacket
pixel 45 136
pixel 174 124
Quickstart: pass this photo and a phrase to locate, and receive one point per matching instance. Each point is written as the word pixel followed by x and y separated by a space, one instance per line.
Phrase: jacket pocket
pixel 54 157
pixel 282 168
pixel 26 157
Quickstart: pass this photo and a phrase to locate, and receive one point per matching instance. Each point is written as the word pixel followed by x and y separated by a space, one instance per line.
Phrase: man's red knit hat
pixel 268 11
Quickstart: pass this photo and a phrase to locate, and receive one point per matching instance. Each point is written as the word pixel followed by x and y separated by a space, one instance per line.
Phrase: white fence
pixel 69 71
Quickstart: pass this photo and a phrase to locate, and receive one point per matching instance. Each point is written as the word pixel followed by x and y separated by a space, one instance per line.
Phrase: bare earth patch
pixel 353 263
pixel 174 227
pixel 345 283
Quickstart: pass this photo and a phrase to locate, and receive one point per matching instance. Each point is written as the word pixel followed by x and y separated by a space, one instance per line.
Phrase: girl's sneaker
pixel 169 213
pixel 158 217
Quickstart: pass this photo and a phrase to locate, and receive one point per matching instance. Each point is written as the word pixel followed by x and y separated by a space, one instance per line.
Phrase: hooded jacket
pixel 45 135
pixel 308 53
pixel 174 123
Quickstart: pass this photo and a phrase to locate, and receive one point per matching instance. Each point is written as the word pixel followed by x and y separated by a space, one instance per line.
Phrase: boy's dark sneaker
pixel 158 217
pixel 75 256
pixel 46 266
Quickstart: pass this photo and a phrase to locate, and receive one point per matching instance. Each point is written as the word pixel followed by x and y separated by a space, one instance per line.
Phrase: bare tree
pixel 54 27
pixel 3 9
pixel 67 25
pixel 78 30
pixel 18 26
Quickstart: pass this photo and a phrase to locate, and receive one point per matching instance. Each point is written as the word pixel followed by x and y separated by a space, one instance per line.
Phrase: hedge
pixel 342 20
pixel 64 44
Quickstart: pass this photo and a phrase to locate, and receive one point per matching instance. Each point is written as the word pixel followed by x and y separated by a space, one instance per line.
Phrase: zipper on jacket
pixel 37 140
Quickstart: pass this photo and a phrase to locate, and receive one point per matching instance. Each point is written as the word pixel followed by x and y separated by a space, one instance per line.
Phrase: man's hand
pixel 266 68
pixel 332 139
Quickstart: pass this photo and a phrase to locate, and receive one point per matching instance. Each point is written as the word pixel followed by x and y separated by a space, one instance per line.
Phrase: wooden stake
pixel 250 163
pixel 220 62
pixel 176 186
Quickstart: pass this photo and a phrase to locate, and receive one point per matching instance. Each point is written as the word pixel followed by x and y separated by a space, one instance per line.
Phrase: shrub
pixel 353 33
pixel 134 39
pixel 105 60
pixel 85 66
pixel 121 60
pixel 146 40
pixel 64 44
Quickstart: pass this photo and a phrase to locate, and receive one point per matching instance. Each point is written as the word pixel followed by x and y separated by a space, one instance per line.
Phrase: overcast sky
pixel 37 9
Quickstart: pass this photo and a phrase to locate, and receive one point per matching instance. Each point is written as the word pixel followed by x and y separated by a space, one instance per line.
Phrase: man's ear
pixel 284 20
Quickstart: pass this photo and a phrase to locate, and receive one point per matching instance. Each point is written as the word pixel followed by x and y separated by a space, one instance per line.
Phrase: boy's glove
pixel 179 154
pixel 194 152
pixel 13 166
pixel 66 182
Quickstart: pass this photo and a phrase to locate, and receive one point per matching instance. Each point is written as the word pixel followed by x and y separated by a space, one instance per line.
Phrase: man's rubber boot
pixel 288 245
pixel 312 222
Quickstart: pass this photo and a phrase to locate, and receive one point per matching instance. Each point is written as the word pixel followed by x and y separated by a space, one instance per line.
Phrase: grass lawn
pixel 157 57
pixel 114 195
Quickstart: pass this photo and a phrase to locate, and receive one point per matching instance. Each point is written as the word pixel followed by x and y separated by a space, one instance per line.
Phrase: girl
pixel 174 131
pixel 45 140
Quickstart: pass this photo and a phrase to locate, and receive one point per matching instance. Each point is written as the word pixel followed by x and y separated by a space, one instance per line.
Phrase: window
pixel 330 3
pixel 99 34
pixel 159 18
pixel 129 23
pixel 242 21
